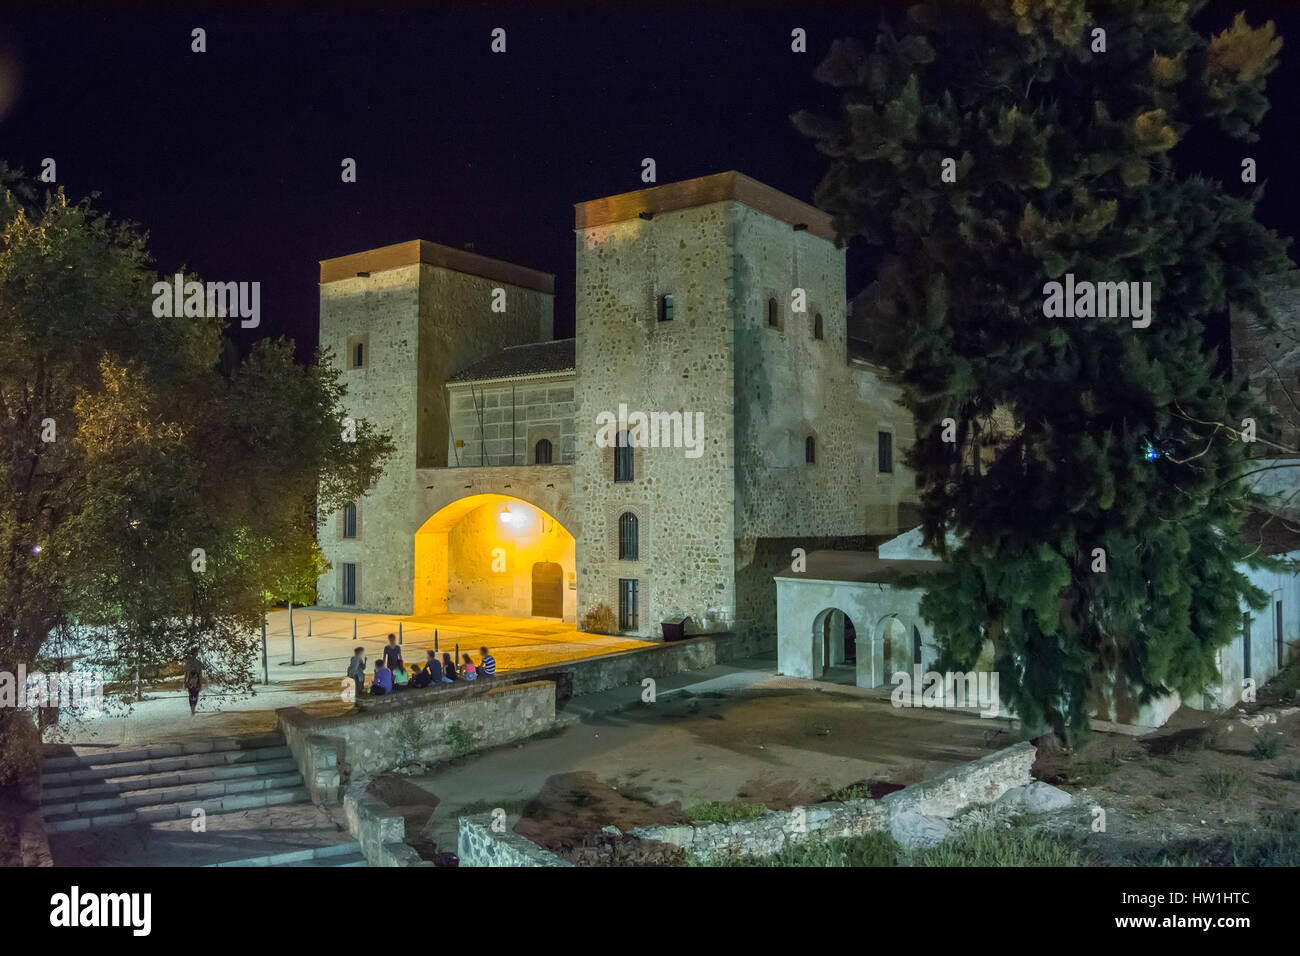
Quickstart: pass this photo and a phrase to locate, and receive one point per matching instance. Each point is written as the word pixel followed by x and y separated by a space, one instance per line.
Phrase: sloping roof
pixel 1270 533
pixel 519 361
pixel 855 566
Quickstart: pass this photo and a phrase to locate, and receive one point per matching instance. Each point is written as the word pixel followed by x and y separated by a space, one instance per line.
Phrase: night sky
pixel 231 158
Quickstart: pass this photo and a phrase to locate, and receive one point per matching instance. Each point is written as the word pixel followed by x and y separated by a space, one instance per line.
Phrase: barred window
pixel 627 537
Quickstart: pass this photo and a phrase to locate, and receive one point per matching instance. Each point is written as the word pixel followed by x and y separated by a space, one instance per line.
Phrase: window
pixel 542 452
pixel 666 308
pixel 628 589
pixel 773 316
pixel 1245 646
pixel 350 520
pixel 810 450
pixel 885 452
pixel 358 351
pixel 817 326
pixel 627 537
pixel 349 584
pixel 623 466
pixel 1277 630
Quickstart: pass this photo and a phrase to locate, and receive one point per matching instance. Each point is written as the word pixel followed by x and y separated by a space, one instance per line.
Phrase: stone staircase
pixel 121 787
pixel 340 854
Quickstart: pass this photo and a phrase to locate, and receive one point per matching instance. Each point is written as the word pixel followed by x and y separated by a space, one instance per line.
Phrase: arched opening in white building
pixel 834 642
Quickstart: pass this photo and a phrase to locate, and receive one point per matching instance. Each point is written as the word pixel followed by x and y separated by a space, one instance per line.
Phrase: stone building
pixel 707 419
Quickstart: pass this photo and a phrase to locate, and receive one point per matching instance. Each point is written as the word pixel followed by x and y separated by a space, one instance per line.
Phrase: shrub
pixel 1222 782
pixel 1266 746
pixel 995 846
pixel 599 620
pixel 1292 773
pixel 459 740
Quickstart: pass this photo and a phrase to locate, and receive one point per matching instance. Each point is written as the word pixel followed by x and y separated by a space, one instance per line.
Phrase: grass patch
pixel 511 807
pixel 1162 768
pixel 994 846
pixel 1291 773
pixel 854 791
pixel 1222 782
pixel 725 812
pixel 873 849
pixel 1093 770
pixel 1267 746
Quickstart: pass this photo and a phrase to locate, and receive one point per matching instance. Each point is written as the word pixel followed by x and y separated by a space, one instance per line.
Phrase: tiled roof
pixel 518 361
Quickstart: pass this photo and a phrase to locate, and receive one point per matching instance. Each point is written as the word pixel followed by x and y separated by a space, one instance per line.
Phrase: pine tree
pixel 1073 434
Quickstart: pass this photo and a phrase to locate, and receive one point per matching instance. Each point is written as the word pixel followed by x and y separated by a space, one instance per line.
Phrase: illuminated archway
pixel 477 556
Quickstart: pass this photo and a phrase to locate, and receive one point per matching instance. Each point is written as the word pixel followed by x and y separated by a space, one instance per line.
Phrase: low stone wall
pixel 318 758
pixel 33 841
pixel 418 728
pixel 478 845
pixel 591 675
pixel 379 829
pixel 980 782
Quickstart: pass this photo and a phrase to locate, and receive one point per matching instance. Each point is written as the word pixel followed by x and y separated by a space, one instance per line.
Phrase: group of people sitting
pixel 391 674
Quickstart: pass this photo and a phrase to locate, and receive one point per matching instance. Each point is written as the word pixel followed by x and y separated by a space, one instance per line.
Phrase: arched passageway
pixel 495 554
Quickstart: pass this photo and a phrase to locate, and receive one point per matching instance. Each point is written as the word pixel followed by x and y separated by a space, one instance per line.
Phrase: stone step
pixel 137 754
pixel 110 785
pixel 339 854
pixel 197 793
pixel 150 813
pixel 97 773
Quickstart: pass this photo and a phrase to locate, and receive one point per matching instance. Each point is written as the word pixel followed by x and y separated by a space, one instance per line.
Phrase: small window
pixel 350 520
pixel 666 308
pixel 359 355
pixel 885 452
pixel 773 316
pixel 628 594
pixel 358 352
pixel 627 537
pixel 817 326
pixel 349 584
pixel 810 450
pixel 542 452
pixel 623 462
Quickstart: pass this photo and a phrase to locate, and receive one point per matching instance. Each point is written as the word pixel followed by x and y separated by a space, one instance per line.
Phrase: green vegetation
pixel 1222 782
pixel 459 740
pixel 725 812
pixel 1267 746
pixel 854 791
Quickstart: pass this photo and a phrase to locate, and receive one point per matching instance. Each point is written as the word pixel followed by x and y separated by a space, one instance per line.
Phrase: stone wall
pixel 626 356
pixel 420 324
pixel 977 783
pixel 416 726
pixel 514 416
pixel 379 829
pixel 478 845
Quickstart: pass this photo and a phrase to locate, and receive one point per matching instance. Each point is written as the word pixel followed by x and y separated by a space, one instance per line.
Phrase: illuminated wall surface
pixel 483 555
pixel 492 552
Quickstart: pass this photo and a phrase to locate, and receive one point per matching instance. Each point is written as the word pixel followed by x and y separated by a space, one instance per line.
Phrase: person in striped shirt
pixel 488 665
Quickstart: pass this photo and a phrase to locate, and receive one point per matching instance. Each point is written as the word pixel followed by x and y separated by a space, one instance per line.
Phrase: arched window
pixel 773 316
pixel 623 457
pixel 627 537
pixel 666 308
pixel 350 520
pixel 542 452
pixel 810 450
pixel 817 326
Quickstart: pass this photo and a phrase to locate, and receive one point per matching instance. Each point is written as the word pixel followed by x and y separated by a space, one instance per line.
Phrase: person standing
pixel 357 669
pixel 193 677
pixel 392 652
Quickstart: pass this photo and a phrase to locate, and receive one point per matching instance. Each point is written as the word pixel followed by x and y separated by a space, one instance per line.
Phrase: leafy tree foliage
pixel 129 440
pixel 1076 433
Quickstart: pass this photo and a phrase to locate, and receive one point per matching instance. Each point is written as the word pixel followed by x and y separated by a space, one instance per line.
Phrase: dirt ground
pixel 650 765
pixel 1179 795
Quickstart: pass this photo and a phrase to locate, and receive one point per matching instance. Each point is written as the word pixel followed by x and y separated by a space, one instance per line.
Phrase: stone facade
pixel 717 301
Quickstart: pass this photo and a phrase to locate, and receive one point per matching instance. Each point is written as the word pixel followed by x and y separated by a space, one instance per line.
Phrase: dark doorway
pixel 1277 627
pixel 850 642
pixel 548 589
pixel 916 644
pixel 1245 646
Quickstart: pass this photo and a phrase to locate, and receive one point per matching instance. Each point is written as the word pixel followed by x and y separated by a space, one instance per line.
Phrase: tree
pixel 1060 138
pixel 154 491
